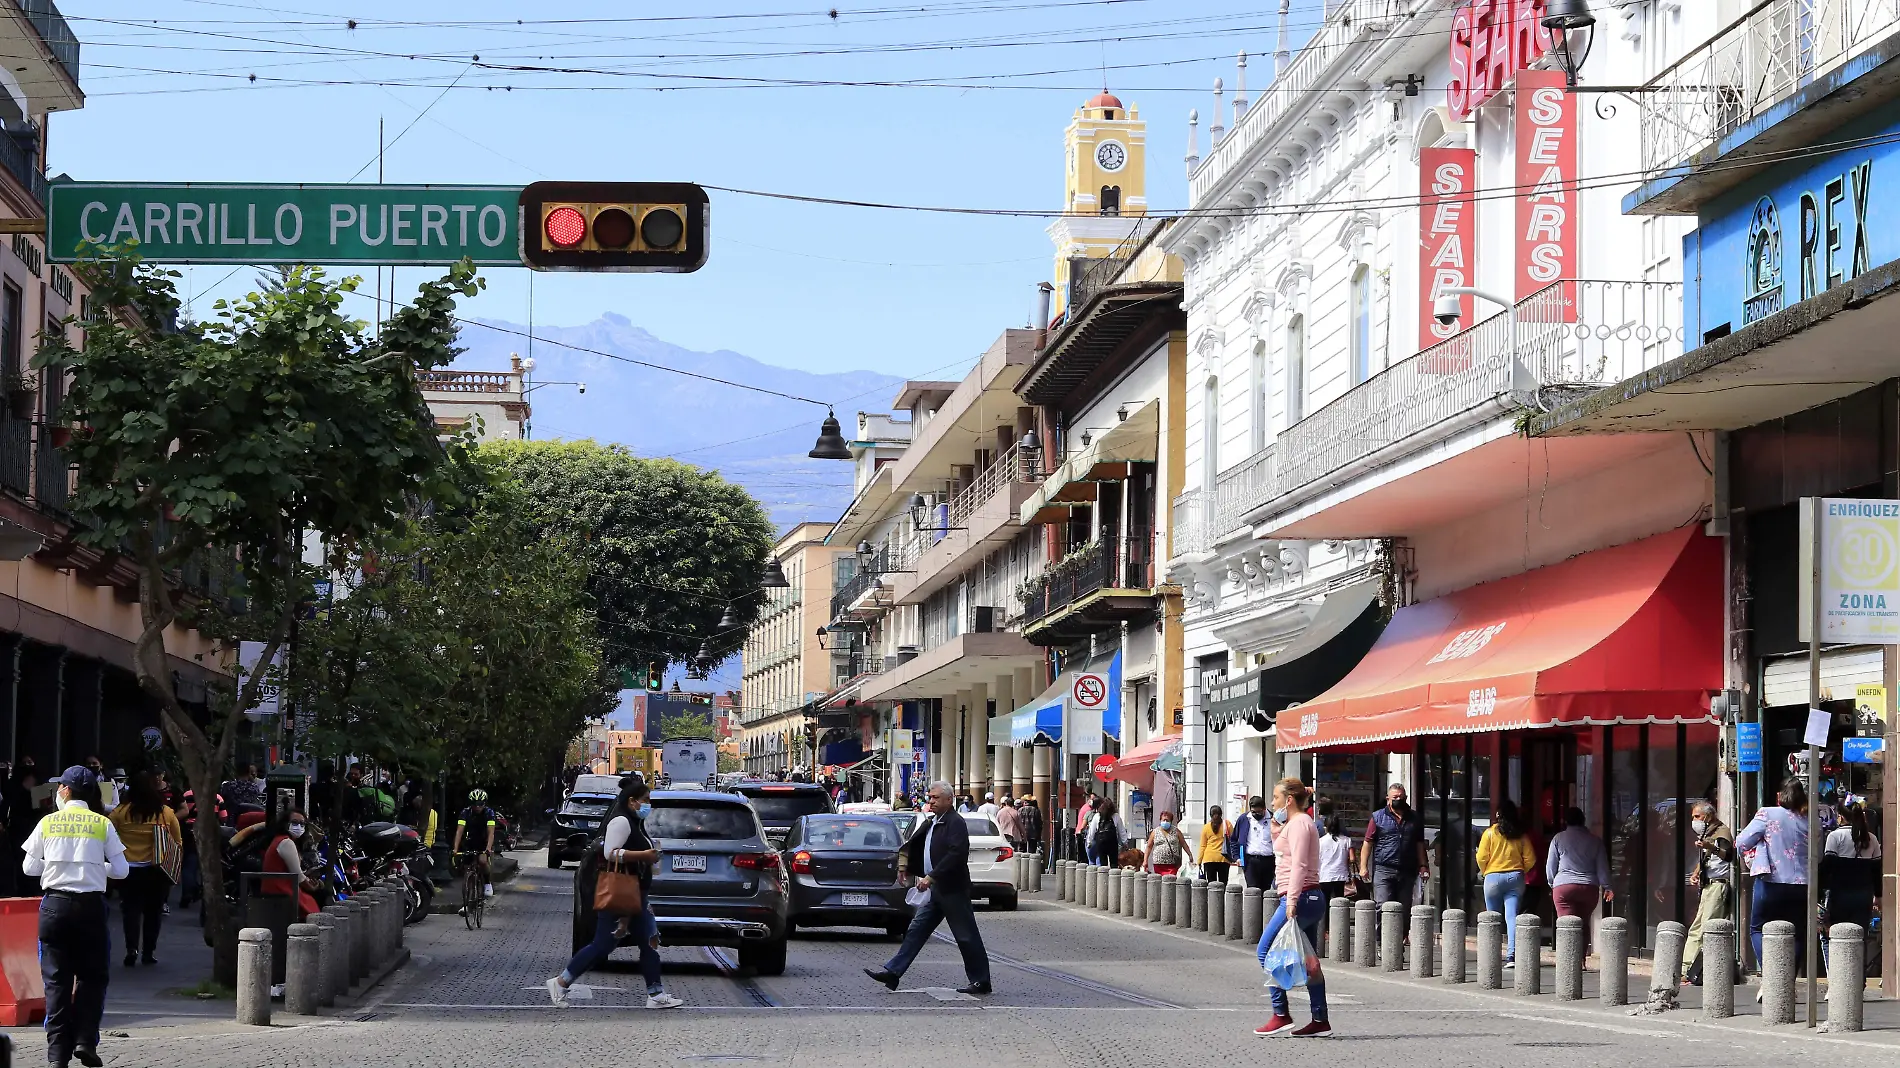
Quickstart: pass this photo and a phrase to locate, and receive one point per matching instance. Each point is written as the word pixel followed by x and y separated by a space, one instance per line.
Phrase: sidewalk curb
pixel 1588 1017
pixel 357 993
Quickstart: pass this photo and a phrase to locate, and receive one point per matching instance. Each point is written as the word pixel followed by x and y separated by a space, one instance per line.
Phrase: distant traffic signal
pixel 615 226
pixel 656 677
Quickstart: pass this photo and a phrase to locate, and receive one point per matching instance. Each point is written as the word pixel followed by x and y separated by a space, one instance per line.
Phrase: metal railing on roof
pixel 52 28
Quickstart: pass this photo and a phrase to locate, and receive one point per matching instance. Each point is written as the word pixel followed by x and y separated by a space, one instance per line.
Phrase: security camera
pixel 1446 309
pixel 583 385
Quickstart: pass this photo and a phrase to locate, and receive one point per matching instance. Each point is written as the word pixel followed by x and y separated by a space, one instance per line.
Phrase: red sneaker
pixel 1314 1029
pixel 1279 1025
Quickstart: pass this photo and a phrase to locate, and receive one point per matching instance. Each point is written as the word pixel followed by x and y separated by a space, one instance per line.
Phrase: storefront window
pixel 1622 827
pixel 1666 833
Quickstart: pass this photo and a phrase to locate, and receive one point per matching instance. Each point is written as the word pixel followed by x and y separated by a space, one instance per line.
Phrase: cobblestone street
pixel 1073 988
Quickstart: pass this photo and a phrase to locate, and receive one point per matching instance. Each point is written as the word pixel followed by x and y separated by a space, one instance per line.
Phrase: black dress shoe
pixel 148 960
pixel 889 979
pixel 87 1056
pixel 975 989
pixel 131 959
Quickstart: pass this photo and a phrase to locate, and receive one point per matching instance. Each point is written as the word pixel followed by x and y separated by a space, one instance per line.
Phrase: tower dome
pixel 1105 100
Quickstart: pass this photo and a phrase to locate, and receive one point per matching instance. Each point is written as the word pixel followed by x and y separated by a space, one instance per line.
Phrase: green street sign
pixel 221 222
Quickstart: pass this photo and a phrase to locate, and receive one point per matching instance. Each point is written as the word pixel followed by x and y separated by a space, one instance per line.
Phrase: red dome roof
pixel 1106 100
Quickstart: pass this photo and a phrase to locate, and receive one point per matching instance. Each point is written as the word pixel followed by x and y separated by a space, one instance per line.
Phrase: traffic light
pixel 615 226
pixel 656 677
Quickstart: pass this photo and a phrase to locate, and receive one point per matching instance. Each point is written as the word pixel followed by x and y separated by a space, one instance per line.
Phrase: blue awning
pixel 1039 725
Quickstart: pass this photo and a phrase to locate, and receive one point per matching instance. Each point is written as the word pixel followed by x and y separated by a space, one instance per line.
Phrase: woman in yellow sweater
pixel 1212 854
pixel 140 819
pixel 1505 853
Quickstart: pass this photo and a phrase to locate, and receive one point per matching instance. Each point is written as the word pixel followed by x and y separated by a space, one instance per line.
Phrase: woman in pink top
pixel 1296 845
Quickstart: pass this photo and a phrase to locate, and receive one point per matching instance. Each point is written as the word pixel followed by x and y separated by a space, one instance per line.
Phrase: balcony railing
pixel 16 454
pixel 1011 467
pixel 1120 564
pixel 1749 66
pixel 20 157
pixel 1193 523
pixel 52 482
pixel 52 28
pixel 1574 334
pixel 469 381
pixel 1090 275
pixel 883 562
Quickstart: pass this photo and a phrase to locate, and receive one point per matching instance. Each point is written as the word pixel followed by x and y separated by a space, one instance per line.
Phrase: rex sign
pixel 1547 208
pixel 1447 235
pixel 1491 40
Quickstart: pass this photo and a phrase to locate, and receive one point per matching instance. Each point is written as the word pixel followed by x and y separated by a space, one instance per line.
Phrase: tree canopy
pixel 667 546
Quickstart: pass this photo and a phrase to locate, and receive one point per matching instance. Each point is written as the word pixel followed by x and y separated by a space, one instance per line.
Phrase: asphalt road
pixel 1074 989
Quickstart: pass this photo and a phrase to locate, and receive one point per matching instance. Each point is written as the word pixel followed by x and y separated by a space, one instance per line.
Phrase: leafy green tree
pixel 688 725
pixel 277 420
pixel 667 546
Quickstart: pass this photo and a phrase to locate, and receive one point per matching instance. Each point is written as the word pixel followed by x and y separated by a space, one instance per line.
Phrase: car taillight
pixel 766 861
pixel 1004 853
pixel 801 863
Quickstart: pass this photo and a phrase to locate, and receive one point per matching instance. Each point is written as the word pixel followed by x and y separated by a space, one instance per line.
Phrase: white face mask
pixel 1701 827
pixel 296 830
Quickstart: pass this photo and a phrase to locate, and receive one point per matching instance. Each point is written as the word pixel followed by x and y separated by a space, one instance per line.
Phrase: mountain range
pixel 754 439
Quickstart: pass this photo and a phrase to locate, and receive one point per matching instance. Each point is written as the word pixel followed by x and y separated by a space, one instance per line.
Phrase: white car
pixel 992 864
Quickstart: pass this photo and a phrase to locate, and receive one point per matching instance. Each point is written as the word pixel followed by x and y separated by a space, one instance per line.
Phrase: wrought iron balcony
pixel 1754 63
pixel 1117 564
pixel 1011 467
pixel 52 482
pixel 871 570
pixel 1193 523
pixel 52 28
pixel 19 155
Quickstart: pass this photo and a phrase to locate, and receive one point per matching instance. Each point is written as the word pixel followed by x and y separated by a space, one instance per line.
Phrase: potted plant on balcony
pixel 21 394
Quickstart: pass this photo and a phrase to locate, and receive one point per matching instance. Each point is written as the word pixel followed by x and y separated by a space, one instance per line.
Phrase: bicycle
pixel 474 899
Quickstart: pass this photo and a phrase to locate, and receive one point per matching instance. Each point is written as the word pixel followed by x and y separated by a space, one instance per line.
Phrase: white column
pixel 1001 756
pixel 1194 736
pixel 977 740
pixel 1022 781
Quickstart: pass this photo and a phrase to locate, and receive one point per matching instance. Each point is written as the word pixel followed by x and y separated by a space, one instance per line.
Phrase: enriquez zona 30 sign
pixel 1491 40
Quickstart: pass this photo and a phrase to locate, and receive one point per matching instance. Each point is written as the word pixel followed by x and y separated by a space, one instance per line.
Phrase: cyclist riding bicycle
pixel 478 815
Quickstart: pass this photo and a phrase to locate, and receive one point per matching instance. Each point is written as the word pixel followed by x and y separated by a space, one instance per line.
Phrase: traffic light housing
pixel 661 227
pixel 656 678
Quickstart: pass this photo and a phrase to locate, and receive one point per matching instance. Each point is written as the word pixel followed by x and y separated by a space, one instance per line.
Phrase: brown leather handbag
pixel 617 888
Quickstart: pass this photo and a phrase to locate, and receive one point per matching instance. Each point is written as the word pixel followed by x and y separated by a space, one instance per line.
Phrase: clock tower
pixel 1104 188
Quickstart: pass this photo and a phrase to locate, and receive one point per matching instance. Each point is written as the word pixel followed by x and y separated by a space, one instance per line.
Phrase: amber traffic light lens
pixel 662 228
pixel 565 227
pixel 613 228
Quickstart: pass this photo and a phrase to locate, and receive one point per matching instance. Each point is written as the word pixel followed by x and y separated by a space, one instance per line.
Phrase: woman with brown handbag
pixel 623 877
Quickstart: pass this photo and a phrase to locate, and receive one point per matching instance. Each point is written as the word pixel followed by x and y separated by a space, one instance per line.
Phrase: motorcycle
pixel 393 850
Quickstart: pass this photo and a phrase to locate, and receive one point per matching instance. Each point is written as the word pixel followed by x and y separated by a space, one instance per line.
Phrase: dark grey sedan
pixel 844 873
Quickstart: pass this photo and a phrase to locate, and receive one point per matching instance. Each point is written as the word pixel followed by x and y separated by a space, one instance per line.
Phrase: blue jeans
pixel 645 929
pixel 1308 911
pixel 1502 892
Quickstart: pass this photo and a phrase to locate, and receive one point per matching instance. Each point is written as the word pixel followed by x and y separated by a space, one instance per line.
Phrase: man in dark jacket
pixel 940 849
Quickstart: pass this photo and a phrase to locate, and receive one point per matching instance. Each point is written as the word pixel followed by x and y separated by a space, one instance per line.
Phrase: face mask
pixel 645 810
pixel 1701 827
pixel 1279 815
pixel 1166 824
pixel 296 830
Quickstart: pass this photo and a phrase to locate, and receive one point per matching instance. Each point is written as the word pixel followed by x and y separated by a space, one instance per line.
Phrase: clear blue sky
pixel 817 287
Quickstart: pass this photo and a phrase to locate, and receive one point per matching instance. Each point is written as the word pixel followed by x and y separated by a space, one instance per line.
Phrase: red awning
pixel 1631 634
pixel 1137 765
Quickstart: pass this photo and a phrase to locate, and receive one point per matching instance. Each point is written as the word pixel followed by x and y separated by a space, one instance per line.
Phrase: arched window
pixel 1260 387
pixel 1111 200
pixel 1295 369
pixel 1360 309
pixel 1210 435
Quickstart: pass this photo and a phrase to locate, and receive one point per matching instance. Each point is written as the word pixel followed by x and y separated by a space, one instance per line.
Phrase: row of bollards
pixel 339 946
pixel 1388 938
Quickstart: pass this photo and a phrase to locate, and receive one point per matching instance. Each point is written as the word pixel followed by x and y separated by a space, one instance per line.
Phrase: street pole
pixel 1812 950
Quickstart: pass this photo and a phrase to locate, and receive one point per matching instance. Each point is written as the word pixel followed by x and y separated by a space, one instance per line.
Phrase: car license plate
pixel 857 899
pixel 688 862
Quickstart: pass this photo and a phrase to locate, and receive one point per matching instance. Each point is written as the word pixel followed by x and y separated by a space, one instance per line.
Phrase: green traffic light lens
pixel 613 228
pixel 662 228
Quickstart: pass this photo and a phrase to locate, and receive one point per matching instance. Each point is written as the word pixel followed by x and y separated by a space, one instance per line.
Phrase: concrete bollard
pixel 1666 973
pixel 339 959
pixel 1157 893
pixel 1421 941
pixel 378 900
pixel 1075 875
pixel 359 938
pixel 1184 901
pixel 253 985
pixel 1163 910
pixel 326 957
pixel 1529 980
pixel 1062 880
pixel 1569 958
pixel 1253 915
pixel 1365 934
pixel 1718 979
pixel 1339 930
pixel 1116 879
pixel 1141 895
pixel 1846 976
pixel 1613 960
pixel 1197 897
pixel 1091 885
pixel 1035 873
pixel 1392 936
pixel 1131 892
pixel 1451 949
pixel 303 969
pixel 1490 950
pixel 1777 972
pixel 1232 907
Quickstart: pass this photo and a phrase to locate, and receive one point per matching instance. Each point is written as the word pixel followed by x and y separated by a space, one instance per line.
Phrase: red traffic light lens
pixel 565 227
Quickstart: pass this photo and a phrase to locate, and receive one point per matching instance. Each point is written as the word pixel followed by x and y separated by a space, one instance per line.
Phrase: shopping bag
pixel 917 897
pixel 617 890
pixel 169 850
pixel 1287 958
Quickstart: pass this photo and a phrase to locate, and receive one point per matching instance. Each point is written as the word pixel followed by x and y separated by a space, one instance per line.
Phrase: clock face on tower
pixel 1111 156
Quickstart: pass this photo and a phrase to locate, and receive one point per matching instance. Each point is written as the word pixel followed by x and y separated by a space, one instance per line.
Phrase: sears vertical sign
pixel 1547 206
pixel 1447 232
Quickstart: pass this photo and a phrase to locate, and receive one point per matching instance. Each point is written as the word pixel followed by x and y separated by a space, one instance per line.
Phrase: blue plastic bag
pixel 1286 958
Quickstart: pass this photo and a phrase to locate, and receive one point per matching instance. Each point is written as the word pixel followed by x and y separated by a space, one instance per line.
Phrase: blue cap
pixel 77 777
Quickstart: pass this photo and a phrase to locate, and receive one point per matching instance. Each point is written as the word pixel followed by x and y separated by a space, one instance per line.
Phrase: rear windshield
pixel 840 832
pixel 596 784
pixel 688 820
pixel 788 806
pixel 980 826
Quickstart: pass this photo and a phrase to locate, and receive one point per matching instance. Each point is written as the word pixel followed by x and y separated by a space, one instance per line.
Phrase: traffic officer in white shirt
pixel 74 851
